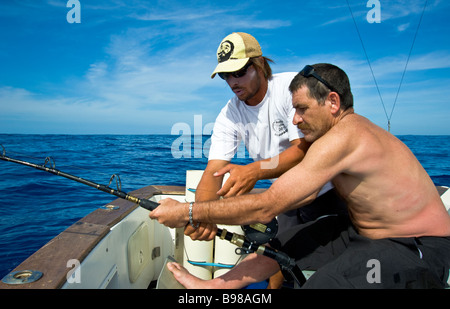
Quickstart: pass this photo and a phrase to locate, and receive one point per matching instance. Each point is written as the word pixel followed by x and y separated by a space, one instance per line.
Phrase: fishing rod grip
pixel 147 204
pixel 279 256
pixel 288 266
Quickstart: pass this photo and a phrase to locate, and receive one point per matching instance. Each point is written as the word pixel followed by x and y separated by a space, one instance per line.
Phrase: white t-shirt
pixel 266 129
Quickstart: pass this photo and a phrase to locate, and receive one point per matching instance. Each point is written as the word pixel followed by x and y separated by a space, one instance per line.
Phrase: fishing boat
pixel 117 246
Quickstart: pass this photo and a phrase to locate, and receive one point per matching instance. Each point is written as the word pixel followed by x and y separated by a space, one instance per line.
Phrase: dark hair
pixel 263 64
pixel 317 90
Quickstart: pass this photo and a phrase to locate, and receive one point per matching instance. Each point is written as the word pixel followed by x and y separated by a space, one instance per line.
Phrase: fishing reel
pixel 259 233
pixel 254 236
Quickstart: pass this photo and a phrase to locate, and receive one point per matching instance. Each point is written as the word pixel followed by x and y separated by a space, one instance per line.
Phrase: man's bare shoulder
pixel 348 130
pixel 352 140
pixel 356 129
pixel 354 121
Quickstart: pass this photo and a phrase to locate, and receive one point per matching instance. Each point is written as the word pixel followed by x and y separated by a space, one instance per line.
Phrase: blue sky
pixel 141 67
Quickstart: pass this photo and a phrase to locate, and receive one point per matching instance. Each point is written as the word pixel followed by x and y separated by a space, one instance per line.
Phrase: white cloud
pixel 155 68
pixel 391 11
pixel 137 82
pixel 403 27
pixel 412 113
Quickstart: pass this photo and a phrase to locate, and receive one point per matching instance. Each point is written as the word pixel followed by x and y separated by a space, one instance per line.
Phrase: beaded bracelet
pixel 191 221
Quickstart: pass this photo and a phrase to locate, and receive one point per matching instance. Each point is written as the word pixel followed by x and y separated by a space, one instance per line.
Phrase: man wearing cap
pixel 260 114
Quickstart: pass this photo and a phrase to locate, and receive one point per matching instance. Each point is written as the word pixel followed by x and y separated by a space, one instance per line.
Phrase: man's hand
pixel 242 179
pixel 171 213
pixel 206 231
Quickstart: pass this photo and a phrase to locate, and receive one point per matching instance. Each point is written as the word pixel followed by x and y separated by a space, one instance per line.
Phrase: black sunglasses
pixel 237 74
pixel 308 71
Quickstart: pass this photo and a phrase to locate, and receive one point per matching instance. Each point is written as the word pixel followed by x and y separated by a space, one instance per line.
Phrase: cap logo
pixel 225 51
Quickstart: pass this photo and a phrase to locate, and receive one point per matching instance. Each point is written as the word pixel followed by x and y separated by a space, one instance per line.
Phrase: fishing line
pixel 370 66
pixel 51 160
pixel 409 55
pixel 147 204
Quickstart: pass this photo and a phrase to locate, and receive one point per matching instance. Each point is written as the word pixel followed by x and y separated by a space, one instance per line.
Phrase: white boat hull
pixel 130 256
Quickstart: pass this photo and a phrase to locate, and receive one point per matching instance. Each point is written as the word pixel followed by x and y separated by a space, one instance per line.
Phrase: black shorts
pixel 327 203
pixel 344 259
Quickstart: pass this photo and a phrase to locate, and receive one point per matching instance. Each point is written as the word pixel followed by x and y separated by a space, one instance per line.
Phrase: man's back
pixel 389 194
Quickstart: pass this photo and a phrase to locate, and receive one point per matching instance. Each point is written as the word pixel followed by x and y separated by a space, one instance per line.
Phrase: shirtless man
pixel 397 216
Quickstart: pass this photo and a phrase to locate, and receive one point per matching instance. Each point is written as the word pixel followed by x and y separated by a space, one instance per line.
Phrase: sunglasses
pixel 308 71
pixel 237 74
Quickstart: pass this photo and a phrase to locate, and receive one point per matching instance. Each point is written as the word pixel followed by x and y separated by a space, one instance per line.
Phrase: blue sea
pixel 35 206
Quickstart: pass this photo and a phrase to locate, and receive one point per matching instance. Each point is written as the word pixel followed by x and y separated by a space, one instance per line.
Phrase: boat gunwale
pixel 79 239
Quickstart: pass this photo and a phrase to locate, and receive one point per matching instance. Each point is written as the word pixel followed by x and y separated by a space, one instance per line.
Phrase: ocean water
pixel 35 206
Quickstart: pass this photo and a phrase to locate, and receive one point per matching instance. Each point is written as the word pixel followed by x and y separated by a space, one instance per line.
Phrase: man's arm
pixel 207 191
pixel 244 177
pixel 326 158
pixel 242 180
pixel 209 184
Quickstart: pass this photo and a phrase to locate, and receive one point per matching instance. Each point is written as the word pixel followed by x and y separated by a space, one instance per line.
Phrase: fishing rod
pixel 256 234
pixel 147 204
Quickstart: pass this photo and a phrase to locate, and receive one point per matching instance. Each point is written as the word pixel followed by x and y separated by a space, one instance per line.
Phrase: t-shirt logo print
pixel 226 50
pixel 279 127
